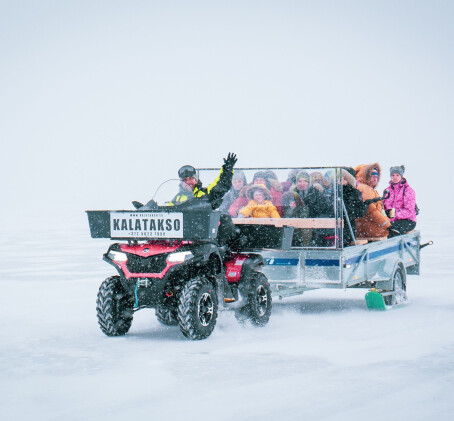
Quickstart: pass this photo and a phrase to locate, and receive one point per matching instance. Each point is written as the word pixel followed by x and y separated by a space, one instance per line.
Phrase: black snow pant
pixel 227 231
pixel 401 226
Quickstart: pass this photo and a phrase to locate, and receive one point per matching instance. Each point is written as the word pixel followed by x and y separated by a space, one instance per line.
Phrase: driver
pixel 228 234
pixel 185 191
pixel 214 192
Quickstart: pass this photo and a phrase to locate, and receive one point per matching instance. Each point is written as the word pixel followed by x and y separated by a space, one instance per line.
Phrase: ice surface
pixel 101 101
pixel 322 356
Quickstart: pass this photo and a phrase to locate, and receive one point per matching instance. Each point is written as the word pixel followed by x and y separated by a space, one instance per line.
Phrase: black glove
pixel 370 201
pixel 229 162
pixel 375 200
pixel 393 231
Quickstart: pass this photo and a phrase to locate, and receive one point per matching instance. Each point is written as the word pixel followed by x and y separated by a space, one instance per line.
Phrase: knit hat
pixel 304 175
pixel 374 172
pixel 270 175
pixel 292 175
pixel 398 169
pixel 259 174
pixel 239 175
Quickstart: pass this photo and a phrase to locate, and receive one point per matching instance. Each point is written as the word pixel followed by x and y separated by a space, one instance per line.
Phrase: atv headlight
pixel 118 256
pixel 179 257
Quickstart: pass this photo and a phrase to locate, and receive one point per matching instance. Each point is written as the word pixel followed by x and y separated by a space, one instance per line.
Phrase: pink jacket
pixel 403 199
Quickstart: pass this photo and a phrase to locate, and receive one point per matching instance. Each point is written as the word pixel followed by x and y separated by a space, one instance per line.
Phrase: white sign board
pixel 146 224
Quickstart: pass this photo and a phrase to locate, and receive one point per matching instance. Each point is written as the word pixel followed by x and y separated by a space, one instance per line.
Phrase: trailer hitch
pixel 425 245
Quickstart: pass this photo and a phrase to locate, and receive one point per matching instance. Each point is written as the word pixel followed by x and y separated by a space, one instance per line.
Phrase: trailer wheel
pixel 167 315
pixel 399 295
pixel 114 307
pixel 197 308
pixel 259 302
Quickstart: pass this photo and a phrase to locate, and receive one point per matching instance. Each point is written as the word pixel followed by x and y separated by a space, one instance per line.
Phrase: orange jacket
pixel 260 210
pixel 375 223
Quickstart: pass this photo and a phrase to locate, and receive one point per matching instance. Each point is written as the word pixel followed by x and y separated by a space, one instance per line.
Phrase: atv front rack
pixel 161 223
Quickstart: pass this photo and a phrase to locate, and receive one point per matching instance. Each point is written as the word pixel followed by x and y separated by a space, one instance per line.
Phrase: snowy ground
pixel 323 356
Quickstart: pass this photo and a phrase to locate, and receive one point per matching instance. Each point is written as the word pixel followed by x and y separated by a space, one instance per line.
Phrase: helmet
pixel 187 171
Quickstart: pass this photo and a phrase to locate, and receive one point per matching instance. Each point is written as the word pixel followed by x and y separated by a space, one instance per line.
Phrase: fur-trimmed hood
pixel 251 189
pixel 318 178
pixel 309 189
pixel 363 172
pixel 239 174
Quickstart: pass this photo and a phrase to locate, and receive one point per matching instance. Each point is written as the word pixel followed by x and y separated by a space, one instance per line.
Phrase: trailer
pixel 379 265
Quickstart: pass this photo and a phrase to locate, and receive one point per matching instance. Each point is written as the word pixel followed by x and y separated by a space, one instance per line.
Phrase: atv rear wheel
pixel 114 307
pixel 167 315
pixel 197 308
pixel 259 302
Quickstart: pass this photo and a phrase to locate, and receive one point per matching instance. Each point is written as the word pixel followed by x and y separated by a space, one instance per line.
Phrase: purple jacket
pixel 402 198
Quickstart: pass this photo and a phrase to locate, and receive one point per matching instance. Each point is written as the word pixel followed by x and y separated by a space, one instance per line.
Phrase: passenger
pixel 311 196
pixel 263 178
pixel 293 206
pixel 260 205
pixel 400 206
pixel 273 185
pixel 317 178
pixel 306 201
pixel 291 180
pixel 240 202
pixel 353 201
pixel 238 182
pixel 329 181
pixel 375 223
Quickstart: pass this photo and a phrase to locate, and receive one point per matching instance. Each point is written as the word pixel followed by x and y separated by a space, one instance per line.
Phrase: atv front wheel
pixel 259 303
pixel 167 315
pixel 197 308
pixel 114 307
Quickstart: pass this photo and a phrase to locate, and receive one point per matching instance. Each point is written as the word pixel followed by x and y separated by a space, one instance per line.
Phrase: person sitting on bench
pixel 400 206
pixel 375 223
pixel 260 205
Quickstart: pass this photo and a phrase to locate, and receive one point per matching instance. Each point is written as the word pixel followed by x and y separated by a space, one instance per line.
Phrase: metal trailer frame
pixel 295 271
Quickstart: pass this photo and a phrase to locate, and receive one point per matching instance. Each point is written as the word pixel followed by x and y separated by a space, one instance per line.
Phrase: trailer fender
pixel 384 277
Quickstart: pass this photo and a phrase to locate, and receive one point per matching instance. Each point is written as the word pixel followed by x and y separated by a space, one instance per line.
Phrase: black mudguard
pixel 254 263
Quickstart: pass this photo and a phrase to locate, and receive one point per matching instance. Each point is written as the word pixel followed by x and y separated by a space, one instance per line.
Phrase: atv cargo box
pixel 164 222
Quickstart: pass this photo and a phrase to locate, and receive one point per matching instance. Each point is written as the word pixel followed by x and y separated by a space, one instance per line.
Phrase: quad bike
pixel 173 262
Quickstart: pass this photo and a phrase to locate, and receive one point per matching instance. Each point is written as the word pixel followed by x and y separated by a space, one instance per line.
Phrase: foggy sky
pixel 102 100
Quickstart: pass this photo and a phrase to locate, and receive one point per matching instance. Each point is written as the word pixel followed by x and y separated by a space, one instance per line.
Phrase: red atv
pixel 172 262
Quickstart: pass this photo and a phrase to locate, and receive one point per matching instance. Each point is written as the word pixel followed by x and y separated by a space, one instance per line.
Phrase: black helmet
pixel 187 171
